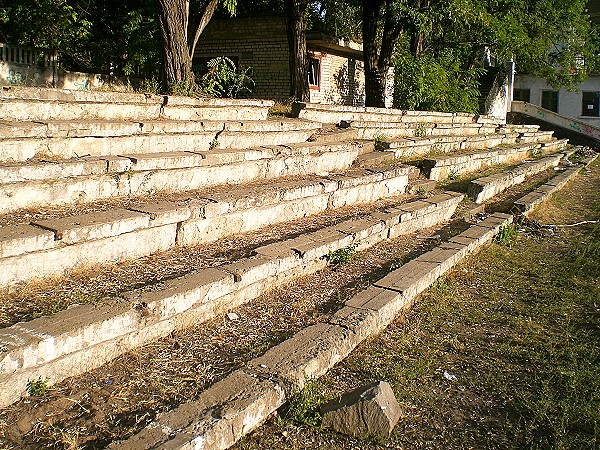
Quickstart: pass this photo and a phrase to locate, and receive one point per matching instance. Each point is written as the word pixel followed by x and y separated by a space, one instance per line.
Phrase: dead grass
pixel 518 328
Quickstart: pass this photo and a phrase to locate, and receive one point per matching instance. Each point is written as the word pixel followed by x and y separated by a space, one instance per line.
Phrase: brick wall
pixel 257 42
pixel 261 43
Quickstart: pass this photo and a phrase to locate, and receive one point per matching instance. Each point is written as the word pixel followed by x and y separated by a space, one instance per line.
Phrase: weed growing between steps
pixel 501 353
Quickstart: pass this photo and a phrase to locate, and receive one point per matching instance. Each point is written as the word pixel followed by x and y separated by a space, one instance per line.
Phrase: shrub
pixel 225 80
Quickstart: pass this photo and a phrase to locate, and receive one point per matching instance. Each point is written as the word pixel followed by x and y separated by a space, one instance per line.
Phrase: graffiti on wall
pixel 15 77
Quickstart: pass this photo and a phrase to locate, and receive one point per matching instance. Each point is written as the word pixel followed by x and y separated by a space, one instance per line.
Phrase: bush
pixel 224 80
pixel 435 84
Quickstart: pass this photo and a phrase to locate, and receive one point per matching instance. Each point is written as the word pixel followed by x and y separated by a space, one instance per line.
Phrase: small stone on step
pixel 232 316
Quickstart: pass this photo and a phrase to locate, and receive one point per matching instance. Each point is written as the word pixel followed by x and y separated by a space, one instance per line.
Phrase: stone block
pixel 19 239
pixel 250 270
pixel 307 355
pixel 411 279
pixel 164 160
pixel 219 417
pixel 96 225
pixel 164 212
pixel 367 411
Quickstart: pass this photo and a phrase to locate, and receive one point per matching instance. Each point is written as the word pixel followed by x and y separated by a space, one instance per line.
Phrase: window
pixel 550 100
pixel 314 72
pixel 590 104
pixel 521 95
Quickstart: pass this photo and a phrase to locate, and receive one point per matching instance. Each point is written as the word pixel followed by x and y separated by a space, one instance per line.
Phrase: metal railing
pixel 26 55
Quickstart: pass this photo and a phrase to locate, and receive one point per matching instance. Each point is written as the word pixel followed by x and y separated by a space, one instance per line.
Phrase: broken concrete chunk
pixel 368 411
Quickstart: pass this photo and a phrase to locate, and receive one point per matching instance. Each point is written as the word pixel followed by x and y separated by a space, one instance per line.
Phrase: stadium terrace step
pixel 536 136
pixel 68 139
pixel 41 104
pixel 531 200
pixel 86 336
pixel 419 146
pixel 443 167
pixel 352 114
pixel 384 130
pixel 236 405
pixel 35 184
pixel 121 234
pixel 482 189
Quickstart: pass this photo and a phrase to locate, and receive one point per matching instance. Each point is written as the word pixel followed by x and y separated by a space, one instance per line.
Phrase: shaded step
pixel 85 336
pixel 445 167
pixel 84 180
pixel 482 189
pixel 102 237
pixel 245 399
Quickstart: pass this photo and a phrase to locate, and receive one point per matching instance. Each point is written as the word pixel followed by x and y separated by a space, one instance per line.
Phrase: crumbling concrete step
pixel 442 167
pixel 236 405
pixel 554 146
pixel 40 104
pixel 513 128
pixel 337 113
pixel 531 200
pixel 414 146
pixel 420 186
pixel 63 140
pixel 331 134
pixel 115 236
pixel 482 189
pixel 86 336
pixel 89 179
pixel 374 159
pixel 536 136
pixel 378 130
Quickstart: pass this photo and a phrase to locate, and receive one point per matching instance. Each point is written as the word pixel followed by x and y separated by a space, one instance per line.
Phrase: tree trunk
pixel 173 19
pixel 208 11
pixel 378 59
pixel 295 22
pixel 374 85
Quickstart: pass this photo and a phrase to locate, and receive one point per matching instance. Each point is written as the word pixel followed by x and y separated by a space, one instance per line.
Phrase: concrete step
pixel 101 237
pixel 419 146
pixel 68 139
pixel 441 168
pixel 335 114
pixel 421 186
pixel 82 180
pixel 536 136
pixel 249 395
pixel 41 104
pixel 86 336
pixel 374 159
pixel 484 188
pixel 387 130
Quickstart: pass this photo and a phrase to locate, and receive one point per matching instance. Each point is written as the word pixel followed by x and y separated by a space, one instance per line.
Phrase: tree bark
pixel 295 22
pixel 207 12
pixel 378 58
pixel 173 19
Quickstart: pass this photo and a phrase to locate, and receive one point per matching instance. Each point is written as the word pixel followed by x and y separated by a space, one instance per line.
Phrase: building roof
pixel 316 40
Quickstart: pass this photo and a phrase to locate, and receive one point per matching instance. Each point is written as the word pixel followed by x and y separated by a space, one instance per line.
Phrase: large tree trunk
pixel 173 19
pixel 295 22
pixel 378 59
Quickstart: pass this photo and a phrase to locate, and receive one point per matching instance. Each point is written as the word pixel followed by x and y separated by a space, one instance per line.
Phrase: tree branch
pixel 208 11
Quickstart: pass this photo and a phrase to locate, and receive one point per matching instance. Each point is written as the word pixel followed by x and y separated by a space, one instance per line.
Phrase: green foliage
pixel 341 256
pixel 183 88
pixel 507 235
pixel 37 388
pixel 435 83
pixel 150 86
pixel 421 130
pixel 224 80
pixel 304 407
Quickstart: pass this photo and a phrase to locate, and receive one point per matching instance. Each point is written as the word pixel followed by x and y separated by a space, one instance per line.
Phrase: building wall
pixel 261 43
pixel 569 103
pixel 342 81
pixel 257 42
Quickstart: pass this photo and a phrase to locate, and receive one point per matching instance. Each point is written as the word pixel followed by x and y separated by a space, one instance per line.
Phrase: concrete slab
pixel 19 239
pixel 96 225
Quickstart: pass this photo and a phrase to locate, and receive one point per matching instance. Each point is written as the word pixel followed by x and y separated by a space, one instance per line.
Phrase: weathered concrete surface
pixel 441 168
pixel 19 239
pixel 77 340
pixel 216 420
pixel 96 225
pixel 367 411
pixel 484 188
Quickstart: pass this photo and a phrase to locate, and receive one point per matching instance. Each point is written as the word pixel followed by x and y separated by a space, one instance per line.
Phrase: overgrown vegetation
pixel 37 388
pixel 225 80
pixel 341 256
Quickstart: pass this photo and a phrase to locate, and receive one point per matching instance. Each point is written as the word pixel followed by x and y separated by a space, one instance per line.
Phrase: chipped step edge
pixel 175 308
pixel 480 190
pixel 526 204
pixel 201 424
